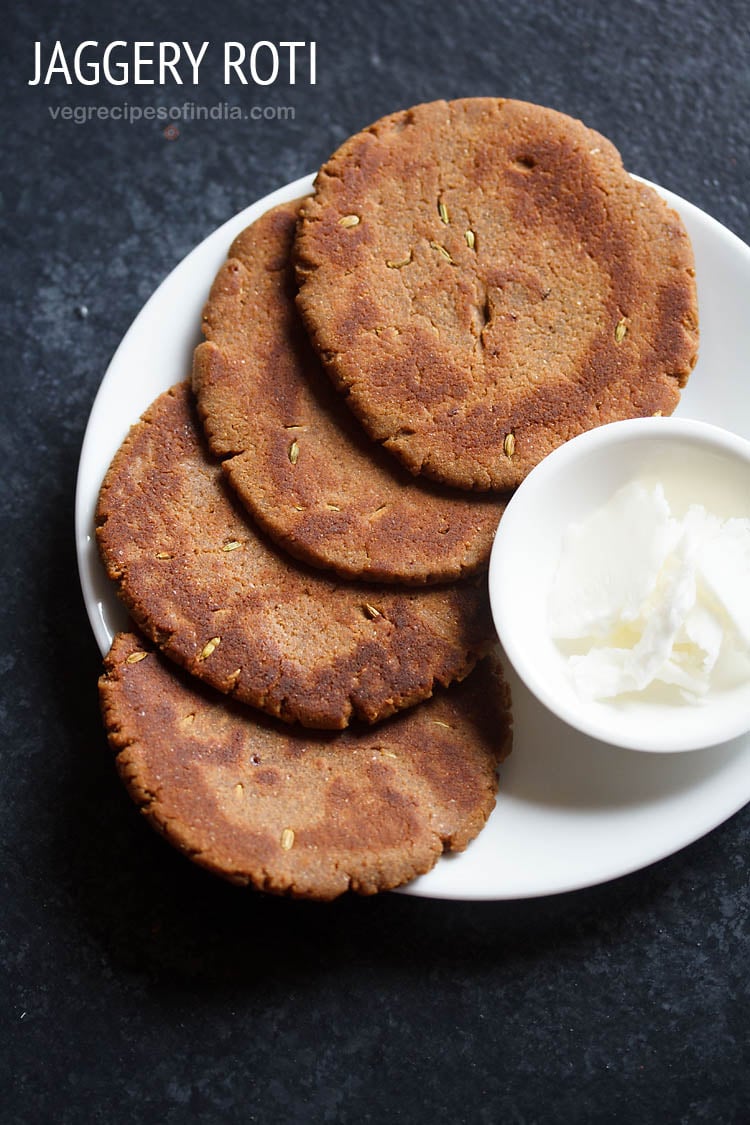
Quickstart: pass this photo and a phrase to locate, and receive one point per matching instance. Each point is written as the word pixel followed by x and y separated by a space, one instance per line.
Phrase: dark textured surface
pixel 136 989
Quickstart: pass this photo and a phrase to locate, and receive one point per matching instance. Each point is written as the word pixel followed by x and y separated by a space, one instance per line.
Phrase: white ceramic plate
pixel 572 812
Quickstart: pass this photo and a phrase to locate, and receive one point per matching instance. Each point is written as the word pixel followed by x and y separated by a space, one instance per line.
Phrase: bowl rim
pixel 705 434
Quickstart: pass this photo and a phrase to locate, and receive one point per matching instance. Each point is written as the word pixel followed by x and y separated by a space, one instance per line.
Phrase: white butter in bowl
pixel 620 584
pixel 644 600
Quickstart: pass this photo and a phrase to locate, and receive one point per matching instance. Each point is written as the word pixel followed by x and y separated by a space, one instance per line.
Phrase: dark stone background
pixel 135 988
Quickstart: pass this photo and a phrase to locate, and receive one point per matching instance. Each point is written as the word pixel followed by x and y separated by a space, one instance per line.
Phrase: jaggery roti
pixel 484 280
pixel 296 812
pixel 295 455
pixel 227 605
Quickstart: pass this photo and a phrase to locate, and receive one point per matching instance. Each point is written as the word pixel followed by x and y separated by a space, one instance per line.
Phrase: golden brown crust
pixel 484 280
pixel 295 455
pixel 225 604
pixel 306 814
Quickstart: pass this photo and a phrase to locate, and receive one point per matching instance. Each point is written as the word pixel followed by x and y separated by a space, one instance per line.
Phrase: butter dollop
pixel 643 598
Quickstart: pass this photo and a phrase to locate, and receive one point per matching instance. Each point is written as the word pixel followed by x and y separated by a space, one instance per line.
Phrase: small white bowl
pixel 697 463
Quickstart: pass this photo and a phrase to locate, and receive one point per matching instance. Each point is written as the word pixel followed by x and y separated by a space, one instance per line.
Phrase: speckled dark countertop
pixel 135 988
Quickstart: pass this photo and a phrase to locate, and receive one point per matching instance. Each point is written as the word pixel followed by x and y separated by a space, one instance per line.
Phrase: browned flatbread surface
pixel 221 601
pixel 484 280
pixel 296 457
pixel 308 814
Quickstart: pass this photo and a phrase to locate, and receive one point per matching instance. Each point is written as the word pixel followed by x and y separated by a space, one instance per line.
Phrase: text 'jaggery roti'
pixel 295 455
pixel 303 813
pixel 221 601
pixel 484 280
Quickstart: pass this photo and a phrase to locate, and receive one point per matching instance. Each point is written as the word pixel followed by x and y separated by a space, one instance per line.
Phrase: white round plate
pixel 572 812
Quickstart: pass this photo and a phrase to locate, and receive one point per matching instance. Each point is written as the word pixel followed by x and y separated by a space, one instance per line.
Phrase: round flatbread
pixel 224 603
pixel 484 280
pixel 295 455
pixel 306 814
